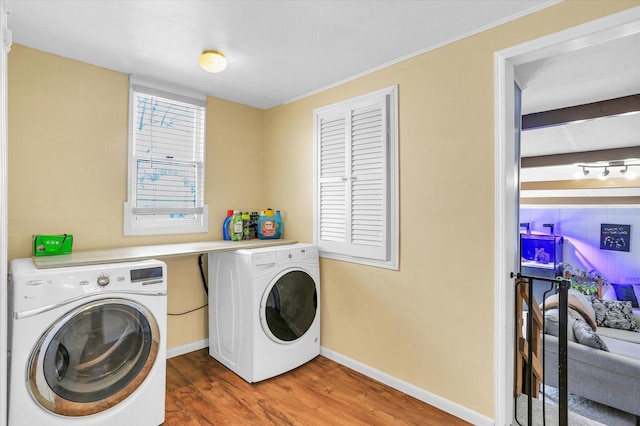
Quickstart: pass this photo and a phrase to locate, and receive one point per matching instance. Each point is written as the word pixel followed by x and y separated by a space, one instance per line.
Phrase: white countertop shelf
pixel 125 254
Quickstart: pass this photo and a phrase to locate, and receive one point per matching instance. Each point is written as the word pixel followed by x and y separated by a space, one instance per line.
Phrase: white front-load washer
pixel 264 309
pixel 87 344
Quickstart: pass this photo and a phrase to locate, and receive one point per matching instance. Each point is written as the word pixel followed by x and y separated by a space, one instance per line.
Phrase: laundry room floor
pixel 201 391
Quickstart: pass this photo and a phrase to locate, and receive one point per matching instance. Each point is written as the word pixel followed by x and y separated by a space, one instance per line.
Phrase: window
pixel 166 162
pixel 356 179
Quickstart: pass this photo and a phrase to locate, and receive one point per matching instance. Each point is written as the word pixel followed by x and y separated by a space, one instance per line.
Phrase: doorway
pixel 507 178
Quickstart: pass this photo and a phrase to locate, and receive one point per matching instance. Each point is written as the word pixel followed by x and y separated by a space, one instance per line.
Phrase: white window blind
pixel 356 179
pixel 166 167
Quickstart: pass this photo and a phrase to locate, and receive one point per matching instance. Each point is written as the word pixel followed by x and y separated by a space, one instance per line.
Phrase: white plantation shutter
pixel 356 195
pixel 166 165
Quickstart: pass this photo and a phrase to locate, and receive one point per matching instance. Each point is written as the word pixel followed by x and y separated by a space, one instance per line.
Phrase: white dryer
pixel 87 344
pixel 264 309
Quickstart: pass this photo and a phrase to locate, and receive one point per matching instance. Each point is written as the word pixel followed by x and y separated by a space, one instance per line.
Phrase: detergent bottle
pixel 245 226
pixel 267 225
pixel 226 225
pixel 236 226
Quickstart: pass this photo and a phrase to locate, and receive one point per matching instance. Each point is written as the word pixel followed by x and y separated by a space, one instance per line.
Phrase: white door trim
pixel 5 45
pixel 506 180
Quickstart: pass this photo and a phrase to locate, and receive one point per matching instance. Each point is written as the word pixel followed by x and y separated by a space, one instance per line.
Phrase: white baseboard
pixel 409 389
pixel 185 349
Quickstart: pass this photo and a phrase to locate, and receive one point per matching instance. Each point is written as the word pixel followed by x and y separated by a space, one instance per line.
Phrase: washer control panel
pixel 36 289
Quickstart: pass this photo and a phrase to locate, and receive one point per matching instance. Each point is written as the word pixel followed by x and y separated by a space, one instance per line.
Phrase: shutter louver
pixel 169 157
pixel 367 170
pixel 332 168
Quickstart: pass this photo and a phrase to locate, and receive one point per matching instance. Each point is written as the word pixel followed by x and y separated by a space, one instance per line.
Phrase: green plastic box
pixel 51 245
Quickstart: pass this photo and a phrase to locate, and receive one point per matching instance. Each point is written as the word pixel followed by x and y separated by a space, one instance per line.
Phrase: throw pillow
pixel 586 336
pixel 615 314
pixel 625 292
pixel 552 324
pixel 584 303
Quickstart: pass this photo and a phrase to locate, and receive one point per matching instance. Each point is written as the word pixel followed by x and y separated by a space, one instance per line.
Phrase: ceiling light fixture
pixel 626 169
pixel 581 174
pixel 212 61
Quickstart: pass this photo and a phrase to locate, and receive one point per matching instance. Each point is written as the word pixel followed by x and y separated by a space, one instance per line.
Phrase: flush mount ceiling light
pixel 212 61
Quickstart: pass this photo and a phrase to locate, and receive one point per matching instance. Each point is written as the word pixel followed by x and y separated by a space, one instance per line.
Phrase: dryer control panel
pixel 298 255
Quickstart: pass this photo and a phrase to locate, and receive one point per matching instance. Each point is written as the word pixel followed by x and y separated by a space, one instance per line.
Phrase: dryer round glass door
pixel 93 357
pixel 289 306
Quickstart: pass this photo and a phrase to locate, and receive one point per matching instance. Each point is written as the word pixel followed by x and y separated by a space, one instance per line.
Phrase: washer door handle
pixel 62 361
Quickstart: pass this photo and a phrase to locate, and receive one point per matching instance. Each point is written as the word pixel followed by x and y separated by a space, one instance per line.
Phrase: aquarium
pixel 541 255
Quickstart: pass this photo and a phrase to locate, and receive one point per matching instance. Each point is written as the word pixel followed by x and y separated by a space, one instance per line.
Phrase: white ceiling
pixel 597 72
pixel 278 51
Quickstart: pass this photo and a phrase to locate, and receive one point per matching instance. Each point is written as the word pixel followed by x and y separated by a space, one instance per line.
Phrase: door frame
pixel 507 167
pixel 5 45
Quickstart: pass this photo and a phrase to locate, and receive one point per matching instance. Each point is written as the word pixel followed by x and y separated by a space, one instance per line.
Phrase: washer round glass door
pixel 289 306
pixel 93 357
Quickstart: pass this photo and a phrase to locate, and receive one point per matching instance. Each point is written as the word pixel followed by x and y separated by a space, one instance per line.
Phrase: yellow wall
pixel 68 168
pixel 430 323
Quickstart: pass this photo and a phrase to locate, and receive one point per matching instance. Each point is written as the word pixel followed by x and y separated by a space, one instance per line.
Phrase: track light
pixel 626 169
pixel 581 174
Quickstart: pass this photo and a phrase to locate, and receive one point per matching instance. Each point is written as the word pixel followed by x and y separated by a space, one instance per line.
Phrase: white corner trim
pixel 5 45
pixel 505 208
pixel 185 349
pixel 409 389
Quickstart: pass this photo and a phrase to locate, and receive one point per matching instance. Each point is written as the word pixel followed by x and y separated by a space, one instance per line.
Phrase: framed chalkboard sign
pixel 614 237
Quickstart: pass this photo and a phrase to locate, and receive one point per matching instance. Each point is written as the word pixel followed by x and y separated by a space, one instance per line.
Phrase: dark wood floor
pixel 201 391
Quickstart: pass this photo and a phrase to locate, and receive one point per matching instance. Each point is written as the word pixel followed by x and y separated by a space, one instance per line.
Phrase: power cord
pixel 204 280
pixel 204 285
pixel 188 312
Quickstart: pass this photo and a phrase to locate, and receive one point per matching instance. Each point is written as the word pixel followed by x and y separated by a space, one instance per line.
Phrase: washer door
pixel 93 357
pixel 289 306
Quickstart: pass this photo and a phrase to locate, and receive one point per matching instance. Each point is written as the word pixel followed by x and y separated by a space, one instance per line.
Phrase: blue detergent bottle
pixel 226 224
pixel 269 225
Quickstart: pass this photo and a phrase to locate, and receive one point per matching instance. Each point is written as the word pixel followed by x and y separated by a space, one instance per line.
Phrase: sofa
pixel 603 349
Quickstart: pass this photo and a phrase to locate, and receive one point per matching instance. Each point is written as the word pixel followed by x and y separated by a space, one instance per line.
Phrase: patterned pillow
pixel 586 336
pixel 614 314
